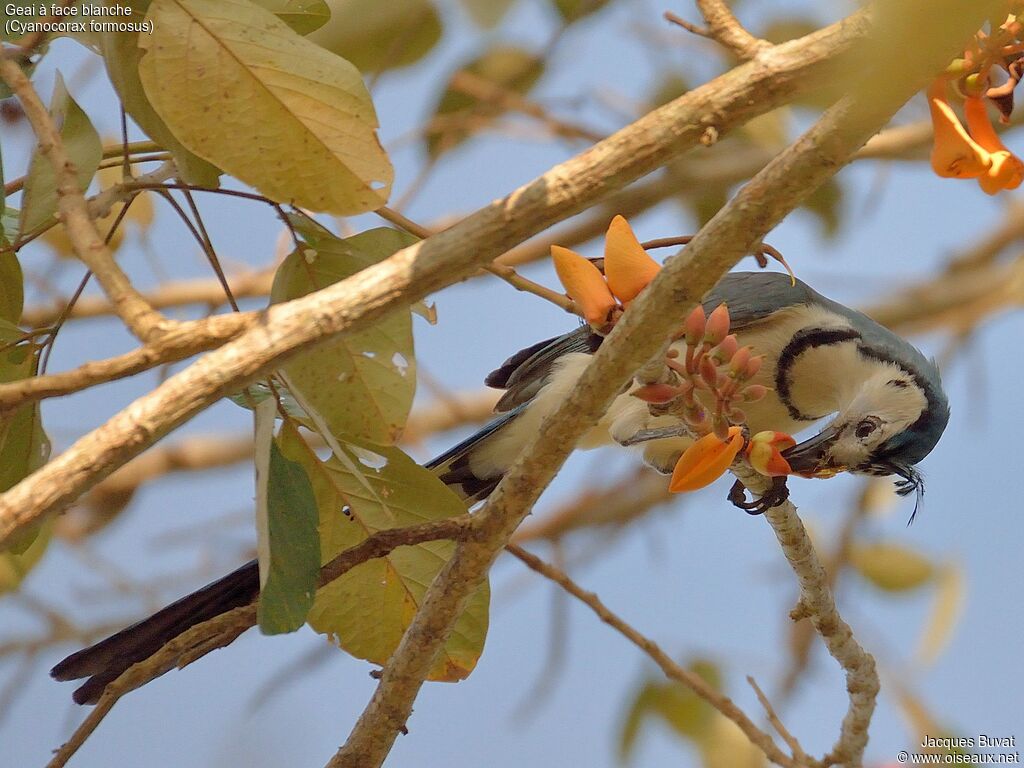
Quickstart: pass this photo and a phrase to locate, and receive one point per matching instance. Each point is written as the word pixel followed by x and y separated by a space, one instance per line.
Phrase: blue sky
pixel 701 578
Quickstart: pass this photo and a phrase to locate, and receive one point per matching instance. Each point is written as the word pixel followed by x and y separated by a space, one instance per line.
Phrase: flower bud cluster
pixel 712 376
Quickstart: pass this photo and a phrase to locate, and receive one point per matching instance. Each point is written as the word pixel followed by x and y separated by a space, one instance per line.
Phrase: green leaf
pixel 363 383
pixel 487 13
pixel 82 143
pixel 304 16
pixel 376 35
pixel 24 446
pixel 504 65
pixel 121 55
pixel 15 565
pixel 289 542
pixel 245 92
pixel 674 704
pixel 891 567
pixel 369 608
pixel 12 289
pixel 574 10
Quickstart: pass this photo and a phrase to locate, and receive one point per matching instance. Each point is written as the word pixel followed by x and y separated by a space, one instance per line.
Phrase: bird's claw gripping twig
pixel 776 495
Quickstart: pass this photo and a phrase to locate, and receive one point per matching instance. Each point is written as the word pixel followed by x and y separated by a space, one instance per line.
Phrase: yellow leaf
pixel 368 609
pixel 724 745
pixel 242 90
pixel 950 596
pixel 891 567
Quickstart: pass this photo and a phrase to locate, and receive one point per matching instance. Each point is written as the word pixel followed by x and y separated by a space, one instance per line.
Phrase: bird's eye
pixel 865 428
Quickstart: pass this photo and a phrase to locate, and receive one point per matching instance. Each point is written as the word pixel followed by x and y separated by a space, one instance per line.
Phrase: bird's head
pixel 887 424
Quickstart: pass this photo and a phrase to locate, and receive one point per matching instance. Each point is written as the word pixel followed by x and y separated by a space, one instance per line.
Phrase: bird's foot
pixel 776 495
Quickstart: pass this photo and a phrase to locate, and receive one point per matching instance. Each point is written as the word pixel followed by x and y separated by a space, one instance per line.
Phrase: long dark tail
pixel 105 661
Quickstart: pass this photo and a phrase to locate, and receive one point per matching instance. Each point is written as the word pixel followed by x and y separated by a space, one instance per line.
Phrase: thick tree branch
pixel 177 343
pixel 643 332
pixel 73 212
pixel 693 175
pixel 442 259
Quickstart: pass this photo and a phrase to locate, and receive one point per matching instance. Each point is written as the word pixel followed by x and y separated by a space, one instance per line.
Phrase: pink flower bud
pixel 738 364
pixel 753 366
pixel 737 415
pixel 656 393
pixel 694 326
pixel 754 392
pixel 717 326
pixel 724 351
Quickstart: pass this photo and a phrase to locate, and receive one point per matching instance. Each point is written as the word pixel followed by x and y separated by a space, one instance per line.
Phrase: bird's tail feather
pixel 105 661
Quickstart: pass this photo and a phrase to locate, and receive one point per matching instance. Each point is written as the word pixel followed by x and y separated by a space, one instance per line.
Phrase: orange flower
pixel 705 461
pixel 585 285
pixel 1006 171
pixel 954 154
pixel 626 264
pixel 764 452
pixel 628 270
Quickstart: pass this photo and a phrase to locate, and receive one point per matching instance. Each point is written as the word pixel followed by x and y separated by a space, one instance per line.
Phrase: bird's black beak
pixel 811 458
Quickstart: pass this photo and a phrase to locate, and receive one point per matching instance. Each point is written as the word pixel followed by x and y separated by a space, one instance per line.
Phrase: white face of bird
pixel 886 404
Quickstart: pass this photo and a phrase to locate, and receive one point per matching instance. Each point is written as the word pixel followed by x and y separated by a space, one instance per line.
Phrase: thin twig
pixel 724 27
pixel 73 210
pixel 671 669
pixel 795 749
pixel 503 271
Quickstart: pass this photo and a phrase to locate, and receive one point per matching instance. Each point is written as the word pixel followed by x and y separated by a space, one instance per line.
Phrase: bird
pixel 821 358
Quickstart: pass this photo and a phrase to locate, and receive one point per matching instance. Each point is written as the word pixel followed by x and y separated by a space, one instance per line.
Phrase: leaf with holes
pixel 82 144
pixel 361 383
pixel 368 609
pixel 241 89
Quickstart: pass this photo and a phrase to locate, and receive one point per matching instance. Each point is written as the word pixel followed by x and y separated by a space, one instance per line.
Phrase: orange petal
pixel 626 264
pixel 980 125
pixel 1006 172
pixel 584 284
pixel 705 461
pixel 764 452
pixel 954 154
